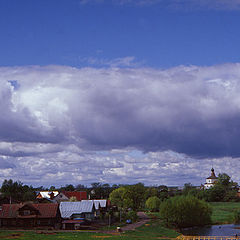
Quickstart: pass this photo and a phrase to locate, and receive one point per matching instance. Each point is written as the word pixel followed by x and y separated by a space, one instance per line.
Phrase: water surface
pixel 214 230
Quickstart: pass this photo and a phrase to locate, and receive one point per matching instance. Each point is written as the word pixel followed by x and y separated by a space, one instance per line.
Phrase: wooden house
pixel 29 215
pixel 76 213
pixel 67 195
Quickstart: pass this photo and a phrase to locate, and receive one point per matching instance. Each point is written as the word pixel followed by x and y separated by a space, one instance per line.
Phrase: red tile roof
pixel 46 210
pixel 78 195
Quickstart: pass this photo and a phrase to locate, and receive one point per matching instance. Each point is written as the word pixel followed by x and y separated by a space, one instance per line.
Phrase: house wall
pixel 60 198
pixel 28 223
pixel 88 216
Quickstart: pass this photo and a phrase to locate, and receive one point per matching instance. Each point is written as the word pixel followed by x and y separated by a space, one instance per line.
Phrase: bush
pixel 185 211
pixel 152 204
pixel 237 216
pixel 132 215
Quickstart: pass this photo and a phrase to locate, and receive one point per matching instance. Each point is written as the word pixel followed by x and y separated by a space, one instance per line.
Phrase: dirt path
pixel 143 219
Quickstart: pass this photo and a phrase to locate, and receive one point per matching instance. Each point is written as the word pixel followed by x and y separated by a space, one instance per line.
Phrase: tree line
pixel 130 196
pixel 177 208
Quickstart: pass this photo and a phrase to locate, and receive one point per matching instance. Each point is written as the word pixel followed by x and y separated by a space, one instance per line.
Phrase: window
pixel 26 212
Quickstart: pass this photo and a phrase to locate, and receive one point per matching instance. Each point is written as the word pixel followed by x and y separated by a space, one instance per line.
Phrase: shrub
pixel 152 204
pixel 237 216
pixel 132 215
pixel 185 211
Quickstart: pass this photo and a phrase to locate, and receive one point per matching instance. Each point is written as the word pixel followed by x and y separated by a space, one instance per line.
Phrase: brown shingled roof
pixel 46 210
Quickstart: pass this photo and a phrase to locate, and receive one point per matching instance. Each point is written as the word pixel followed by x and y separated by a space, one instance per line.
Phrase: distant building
pixel 48 195
pixel 74 214
pixel 67 195
pixel 30 215
pixel 238 193
pixel 211 180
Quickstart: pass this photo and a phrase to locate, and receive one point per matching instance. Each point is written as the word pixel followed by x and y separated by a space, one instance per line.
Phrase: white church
pixel 211 180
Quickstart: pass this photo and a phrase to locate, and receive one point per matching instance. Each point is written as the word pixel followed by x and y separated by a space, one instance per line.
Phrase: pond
pixel 214 230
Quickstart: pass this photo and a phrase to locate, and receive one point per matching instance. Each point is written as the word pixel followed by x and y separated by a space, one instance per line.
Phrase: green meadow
pixel 223 212
pixel 152 230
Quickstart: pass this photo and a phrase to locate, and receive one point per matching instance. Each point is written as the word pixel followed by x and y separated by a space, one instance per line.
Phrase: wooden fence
pixel 183 237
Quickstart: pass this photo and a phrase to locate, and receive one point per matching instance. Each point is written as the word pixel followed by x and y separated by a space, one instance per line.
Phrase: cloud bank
pixel 174 4
pixel 70 123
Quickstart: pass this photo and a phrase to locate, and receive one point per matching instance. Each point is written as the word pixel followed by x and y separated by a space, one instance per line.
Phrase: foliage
pixel 117 197
pixel 216 193
pixel 223 190
pixel 132 215
pixel 73 199
pixel 187 188
pixel 134 196
pixel 150 192
pixel 17 191
pixel 80 187
pixel 224 179
pixel 68 187
pixel 52 188
pixel 237 216
pixel 153 203
pixel 130 196
pixel 100 191
pixel 185 211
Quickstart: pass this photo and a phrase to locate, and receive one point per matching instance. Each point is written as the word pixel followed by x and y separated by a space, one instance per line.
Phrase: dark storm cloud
pixel 191 110
pixel 17 123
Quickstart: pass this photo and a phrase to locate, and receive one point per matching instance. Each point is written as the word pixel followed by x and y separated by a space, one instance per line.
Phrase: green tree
pixel 224 180
pixel 224 190
pixel 80 187
pixel 17 191
pixel 132 215
pixel 52 188
pixel 100 191
pixel 153 203
pixel 117 197
pixel 150 192
pixel 187 188
pixel 134 196
pixel 68 187
pixel 130 196
pixel 185 211
pixel 237 217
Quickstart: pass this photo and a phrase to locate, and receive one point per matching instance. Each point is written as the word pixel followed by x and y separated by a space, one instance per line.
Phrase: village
pixel 74 210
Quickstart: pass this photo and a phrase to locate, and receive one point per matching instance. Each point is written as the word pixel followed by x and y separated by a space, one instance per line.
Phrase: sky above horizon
pixel 119 91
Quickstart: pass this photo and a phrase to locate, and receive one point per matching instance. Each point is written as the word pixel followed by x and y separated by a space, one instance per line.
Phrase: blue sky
pixel 119 91
pixel 158 35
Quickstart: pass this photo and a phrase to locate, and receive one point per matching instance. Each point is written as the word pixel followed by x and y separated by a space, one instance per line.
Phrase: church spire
pixel 213 173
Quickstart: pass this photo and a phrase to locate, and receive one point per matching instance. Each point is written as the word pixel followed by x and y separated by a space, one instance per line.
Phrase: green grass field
pixel 151 230
pixel 223 212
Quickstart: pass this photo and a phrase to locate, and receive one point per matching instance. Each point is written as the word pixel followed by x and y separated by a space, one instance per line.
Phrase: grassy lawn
pixel 151 230
pixel 154 229
pixel 223 212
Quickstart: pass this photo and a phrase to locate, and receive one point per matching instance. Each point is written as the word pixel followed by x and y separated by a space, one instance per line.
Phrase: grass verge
pixel 152 230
